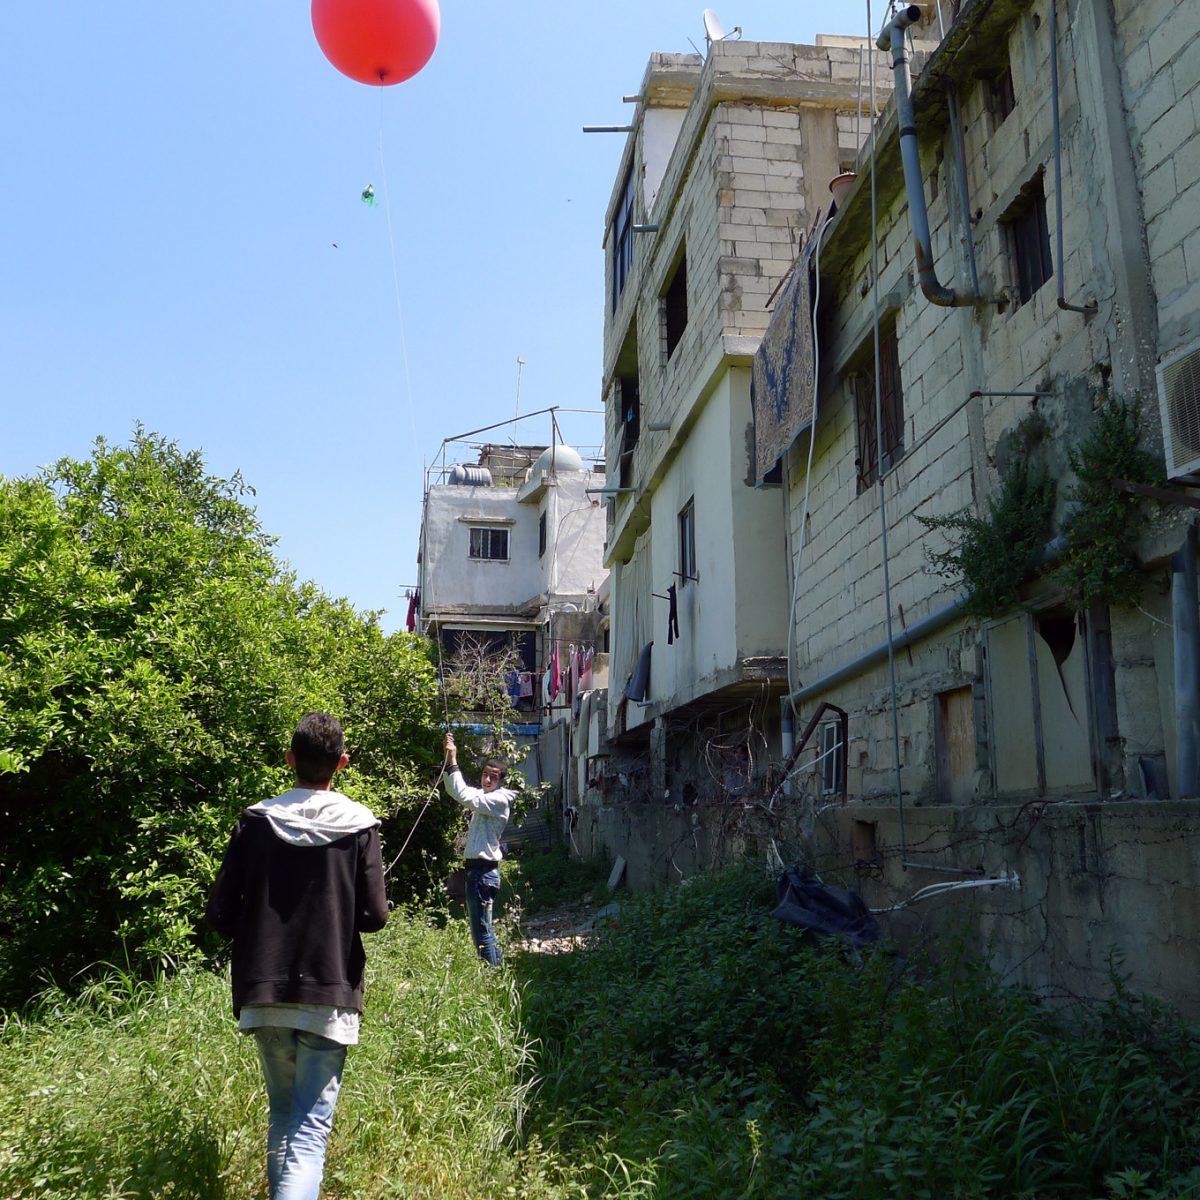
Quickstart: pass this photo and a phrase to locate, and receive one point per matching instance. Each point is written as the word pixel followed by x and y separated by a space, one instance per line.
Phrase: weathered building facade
pixel 724 174
pixel 510 565
pixel 1050 745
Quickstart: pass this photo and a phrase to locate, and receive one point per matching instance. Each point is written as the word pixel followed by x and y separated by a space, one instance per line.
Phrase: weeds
pixel 696 1049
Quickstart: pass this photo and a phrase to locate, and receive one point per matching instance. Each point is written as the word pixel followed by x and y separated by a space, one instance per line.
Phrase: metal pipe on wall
pixel 923 628
pixel 1058 200
pixel 1186 620
pixel 892 37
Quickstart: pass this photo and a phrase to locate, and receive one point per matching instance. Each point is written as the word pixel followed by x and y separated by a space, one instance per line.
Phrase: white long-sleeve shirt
pixel 490 811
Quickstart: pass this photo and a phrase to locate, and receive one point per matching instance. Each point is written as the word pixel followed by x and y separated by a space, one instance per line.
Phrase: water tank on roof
pixel 471 476
pixel 558 458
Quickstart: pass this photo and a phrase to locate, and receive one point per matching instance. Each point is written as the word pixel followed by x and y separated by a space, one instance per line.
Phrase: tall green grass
pixel 702 1049
pixel 147 1090
pixel 695 1049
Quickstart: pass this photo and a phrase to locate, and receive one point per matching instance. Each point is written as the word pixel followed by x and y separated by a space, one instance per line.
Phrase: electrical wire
pixel 883 531
pixel 956 885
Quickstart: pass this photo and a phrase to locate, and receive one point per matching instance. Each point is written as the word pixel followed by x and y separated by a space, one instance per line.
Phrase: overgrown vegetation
pixel 697 1049
pixel 538 882
pixel 995 553
pixel 1103 522
pixel 154 657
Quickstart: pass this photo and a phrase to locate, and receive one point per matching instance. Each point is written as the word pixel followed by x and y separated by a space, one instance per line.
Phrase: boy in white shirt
pixel 490 805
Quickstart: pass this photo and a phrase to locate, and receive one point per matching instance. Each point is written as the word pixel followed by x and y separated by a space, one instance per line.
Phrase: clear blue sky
pixel 176 177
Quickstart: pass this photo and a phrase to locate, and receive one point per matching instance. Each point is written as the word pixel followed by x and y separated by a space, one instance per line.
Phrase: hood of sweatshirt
pixel 311 817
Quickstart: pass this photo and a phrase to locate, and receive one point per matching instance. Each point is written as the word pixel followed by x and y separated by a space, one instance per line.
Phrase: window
pixel 1028 241
pixel 891 404
pixel 1002 99
pixel 630 398
pixel 488 542
pixel 687 543
pixel 674 306
pixel 541 535
pixel 622 239
pixel 833 759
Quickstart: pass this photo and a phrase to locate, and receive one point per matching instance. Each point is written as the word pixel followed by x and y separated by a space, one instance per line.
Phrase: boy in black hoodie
pixel 301 880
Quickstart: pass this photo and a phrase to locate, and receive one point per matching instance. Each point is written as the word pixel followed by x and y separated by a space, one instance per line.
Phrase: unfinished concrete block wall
pixel 1102 888
pixel 1159 48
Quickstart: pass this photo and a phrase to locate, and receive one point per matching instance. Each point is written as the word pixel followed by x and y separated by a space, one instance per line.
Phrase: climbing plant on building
pixel 994 553
pixel 1103 523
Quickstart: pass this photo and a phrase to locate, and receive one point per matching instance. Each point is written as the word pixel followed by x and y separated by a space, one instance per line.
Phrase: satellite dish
pixel 714 31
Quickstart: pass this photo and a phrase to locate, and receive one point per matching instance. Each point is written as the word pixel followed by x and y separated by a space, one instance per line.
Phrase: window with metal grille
pixel 1028 237
pixel 487 542
pixel 891 408
pixel 622 239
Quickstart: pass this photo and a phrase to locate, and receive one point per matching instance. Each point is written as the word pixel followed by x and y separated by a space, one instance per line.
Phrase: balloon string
pixel 387 208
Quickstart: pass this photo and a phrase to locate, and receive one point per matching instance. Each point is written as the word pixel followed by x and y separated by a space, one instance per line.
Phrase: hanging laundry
pixel 638 683
pixel 414 605
pixel 672 615
pixel 585 673
pixel 546 697
pixel 574 687
pixel 555 675
pixel 526 684
pixel 512 685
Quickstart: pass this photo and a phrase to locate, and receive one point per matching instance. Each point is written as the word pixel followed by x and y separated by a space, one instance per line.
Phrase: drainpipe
pixel 892 37
pixel 1060 264
pixel 1186 619
pixel 923 628
pixel 788 737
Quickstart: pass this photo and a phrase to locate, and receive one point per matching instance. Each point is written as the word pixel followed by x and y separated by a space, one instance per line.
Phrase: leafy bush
pixel 154 657
pixel 995 553
pixel 1103 525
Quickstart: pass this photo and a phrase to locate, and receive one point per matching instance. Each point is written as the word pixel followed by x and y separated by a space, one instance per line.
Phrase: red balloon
pixel 377 41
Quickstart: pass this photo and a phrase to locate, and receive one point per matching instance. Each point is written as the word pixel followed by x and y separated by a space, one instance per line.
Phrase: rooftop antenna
pixel 714 31
pixel 520 364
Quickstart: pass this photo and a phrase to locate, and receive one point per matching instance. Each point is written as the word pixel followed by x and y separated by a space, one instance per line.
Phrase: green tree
pixel 154 656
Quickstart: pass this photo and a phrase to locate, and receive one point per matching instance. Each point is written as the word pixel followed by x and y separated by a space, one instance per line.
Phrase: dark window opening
pixel 489 543
pixel 687 543
pixel 541 535
pixel 1002 98
pixel 625 416
pixel 622 239
pixel 1028 237
pixel 675 307
pixel 891 404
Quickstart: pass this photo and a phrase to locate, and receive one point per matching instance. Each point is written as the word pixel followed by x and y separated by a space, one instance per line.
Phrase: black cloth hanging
pixel 672 615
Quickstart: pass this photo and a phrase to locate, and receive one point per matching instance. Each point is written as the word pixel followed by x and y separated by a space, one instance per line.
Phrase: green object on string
pixel 368 196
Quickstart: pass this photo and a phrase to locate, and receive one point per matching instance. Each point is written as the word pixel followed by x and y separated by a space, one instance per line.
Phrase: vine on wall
pixel 995 553
pixel 1103 525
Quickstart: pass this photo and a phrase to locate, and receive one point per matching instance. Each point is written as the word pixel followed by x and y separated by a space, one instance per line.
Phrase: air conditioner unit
pixel 1179 404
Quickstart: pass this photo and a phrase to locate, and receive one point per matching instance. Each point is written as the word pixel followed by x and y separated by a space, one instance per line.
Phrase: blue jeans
pixel 482 887
pixel 303 1072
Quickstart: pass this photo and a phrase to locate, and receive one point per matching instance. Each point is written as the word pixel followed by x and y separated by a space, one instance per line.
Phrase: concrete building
pixel 1043 742
pixel 1041 746
pixel 510 561
pixel 724 173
